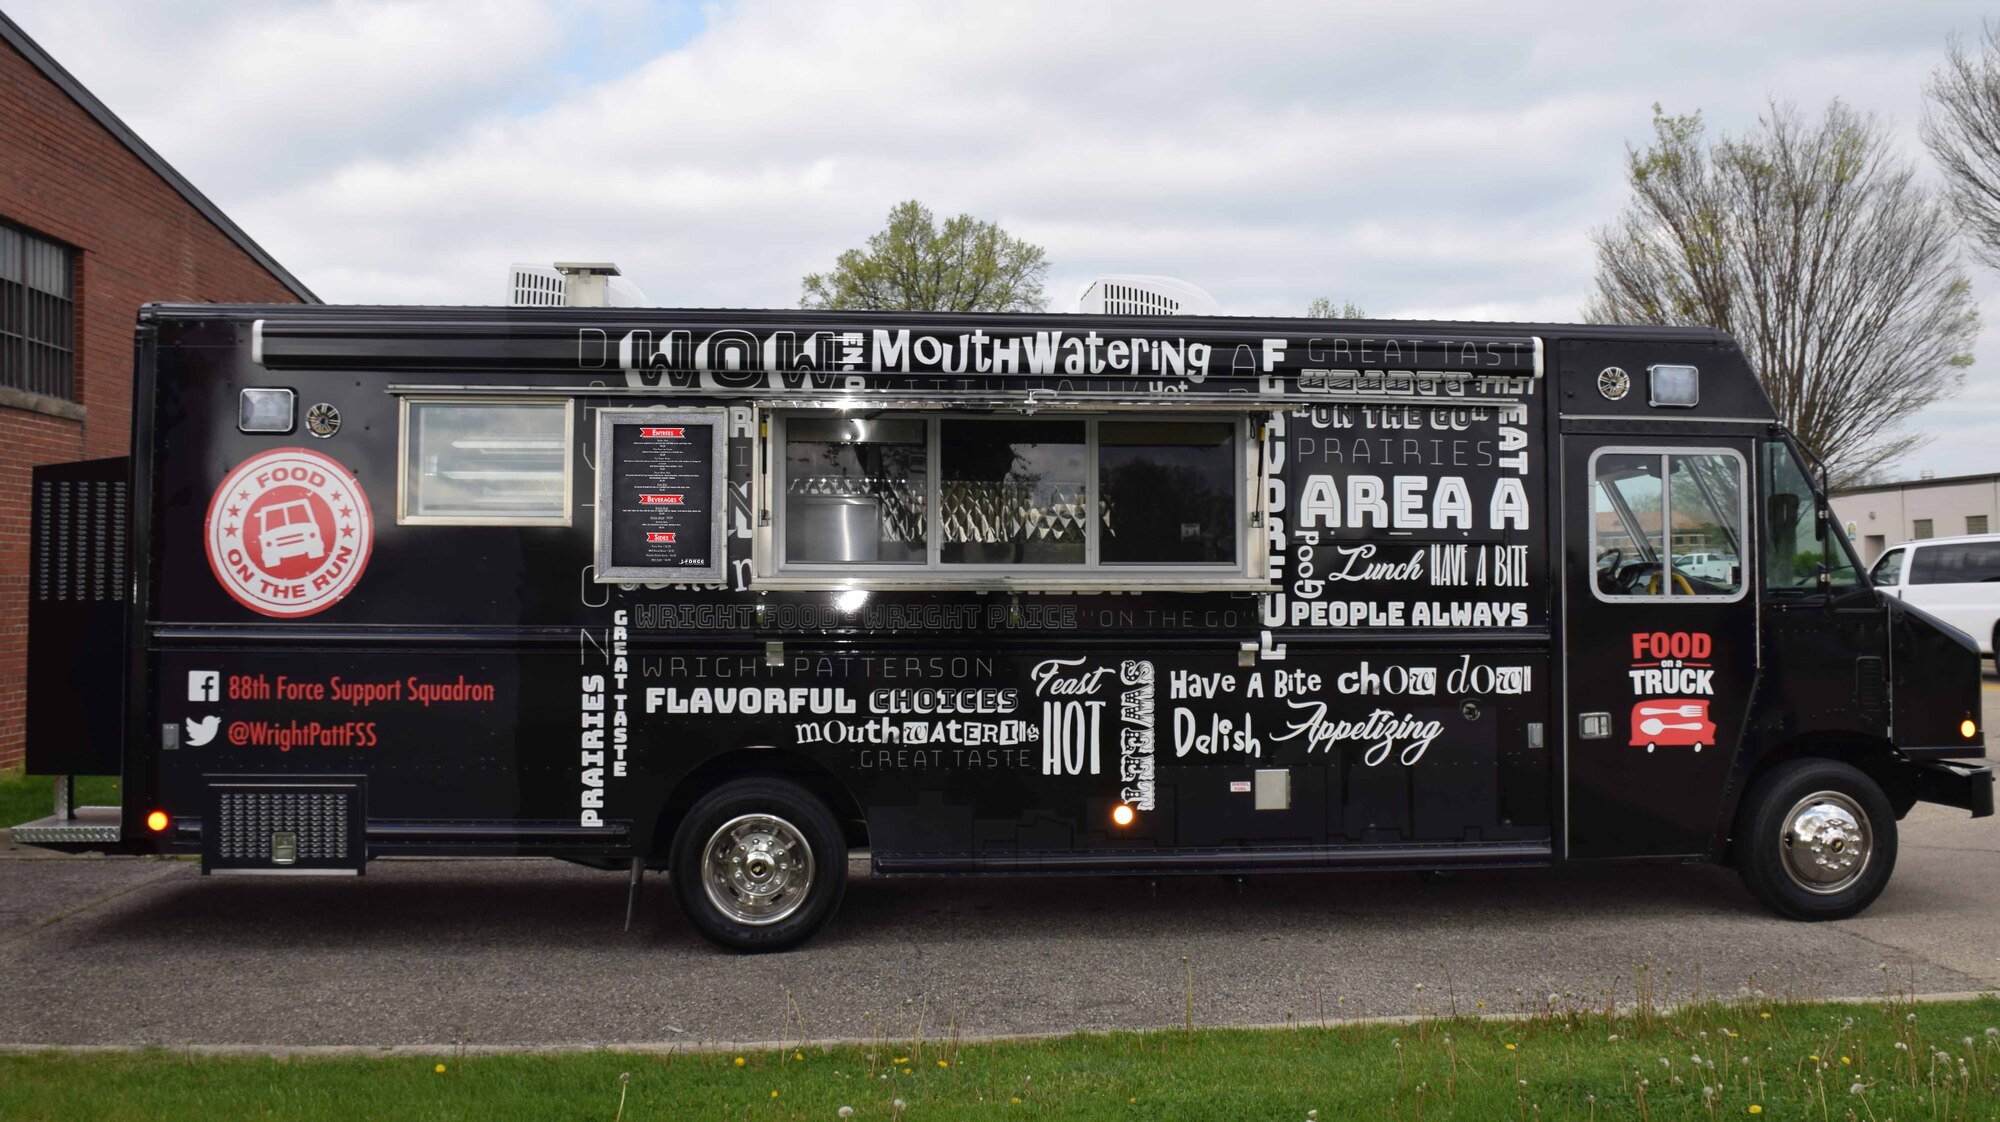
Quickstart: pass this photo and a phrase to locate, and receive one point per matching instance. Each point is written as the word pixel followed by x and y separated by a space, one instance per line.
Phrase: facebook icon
pixel 204 685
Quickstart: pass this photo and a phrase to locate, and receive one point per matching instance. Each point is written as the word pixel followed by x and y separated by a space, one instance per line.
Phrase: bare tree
pixel 1962 130
pixel 912 265
pixel 1323 307
pixel 1812 244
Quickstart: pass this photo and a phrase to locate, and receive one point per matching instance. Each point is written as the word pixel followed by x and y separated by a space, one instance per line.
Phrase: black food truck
pixel 728 593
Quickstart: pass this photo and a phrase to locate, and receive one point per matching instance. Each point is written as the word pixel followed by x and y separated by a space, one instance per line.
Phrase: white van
pixel 1955 579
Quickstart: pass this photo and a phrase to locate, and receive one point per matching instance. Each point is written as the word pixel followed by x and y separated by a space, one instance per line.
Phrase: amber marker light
pixel 1122 814
pixel 157 821
pixel 1967 729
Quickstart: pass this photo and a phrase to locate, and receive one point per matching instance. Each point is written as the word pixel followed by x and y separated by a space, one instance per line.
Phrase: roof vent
pixel 1129 294
pixel 575 284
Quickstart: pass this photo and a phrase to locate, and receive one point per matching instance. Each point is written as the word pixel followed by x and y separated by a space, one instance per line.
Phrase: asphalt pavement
pixel 433 953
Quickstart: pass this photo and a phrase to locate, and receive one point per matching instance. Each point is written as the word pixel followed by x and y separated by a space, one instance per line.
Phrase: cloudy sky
pixel 1444 160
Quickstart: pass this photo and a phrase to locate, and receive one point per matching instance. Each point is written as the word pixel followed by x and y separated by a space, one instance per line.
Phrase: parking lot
pixel 435 953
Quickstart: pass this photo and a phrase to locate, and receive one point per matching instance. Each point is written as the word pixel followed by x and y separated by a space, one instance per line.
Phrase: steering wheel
pixel 1610 558
pixel 1680 583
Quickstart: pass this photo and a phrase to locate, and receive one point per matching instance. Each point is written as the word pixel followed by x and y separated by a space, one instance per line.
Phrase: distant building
pixel 1887 514
pixel 93 223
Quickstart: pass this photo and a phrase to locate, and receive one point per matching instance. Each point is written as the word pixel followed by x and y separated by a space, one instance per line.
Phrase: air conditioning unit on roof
pixel 1131 294
pixel 576 284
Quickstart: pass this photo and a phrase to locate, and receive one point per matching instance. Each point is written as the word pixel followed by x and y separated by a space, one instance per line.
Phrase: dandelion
pixel 1912 1018
pixel 1766 1014
pixel 1133 1099
pixel 898 1103
pixel 1755 1109
pixel 439 1069
pixel 1510 1046
pixel 1611 1039
pixel 1967 1042
pixel 1813 1056
pixel 1707 1092
pixel 1992 1033
pixel 1312 1116
pixel 1846 1059
pixel 1857 1089
pixel 1482 1005
pixel 900 1060
pixel 848 1111
pixel 774 1094
pixel 624 1077
pixel 1015 1099
pixel 798 1055
pixel 1902 1047
pixel 942 1063
pixel 1420 987
pixel 739 1061
pixel 906 1071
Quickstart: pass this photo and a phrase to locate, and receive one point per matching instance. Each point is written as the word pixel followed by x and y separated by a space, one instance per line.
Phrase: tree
pixel 1962 130
pixel 913 266
pixel 1811 243
pixel 1323 307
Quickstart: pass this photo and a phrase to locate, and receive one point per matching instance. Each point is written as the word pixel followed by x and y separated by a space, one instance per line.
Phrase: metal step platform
pixel 86 825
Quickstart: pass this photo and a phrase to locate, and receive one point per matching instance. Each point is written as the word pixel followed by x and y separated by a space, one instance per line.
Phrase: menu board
pixel 660 502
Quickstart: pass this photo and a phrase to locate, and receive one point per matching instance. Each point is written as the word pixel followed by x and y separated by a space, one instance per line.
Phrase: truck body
pixel 729 592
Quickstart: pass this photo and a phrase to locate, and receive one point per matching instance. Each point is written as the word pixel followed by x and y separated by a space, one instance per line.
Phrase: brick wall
pixel 65 177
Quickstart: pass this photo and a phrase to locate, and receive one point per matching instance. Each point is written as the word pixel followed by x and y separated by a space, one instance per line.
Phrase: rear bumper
pixel 1963 785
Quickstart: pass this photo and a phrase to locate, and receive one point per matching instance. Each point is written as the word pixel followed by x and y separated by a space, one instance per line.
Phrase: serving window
pixel 490 462
pixel 960 498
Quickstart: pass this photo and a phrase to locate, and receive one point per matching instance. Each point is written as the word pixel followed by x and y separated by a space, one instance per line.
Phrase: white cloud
pixel 1423 160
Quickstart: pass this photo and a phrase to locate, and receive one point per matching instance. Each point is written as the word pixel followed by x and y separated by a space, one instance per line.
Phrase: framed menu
pixel 660 500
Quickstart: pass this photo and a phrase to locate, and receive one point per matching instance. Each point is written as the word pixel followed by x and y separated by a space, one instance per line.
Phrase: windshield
pixel 1799 545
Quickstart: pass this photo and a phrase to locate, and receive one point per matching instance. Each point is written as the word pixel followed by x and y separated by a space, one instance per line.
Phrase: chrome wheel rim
pixel 1827 843
pixel 757 869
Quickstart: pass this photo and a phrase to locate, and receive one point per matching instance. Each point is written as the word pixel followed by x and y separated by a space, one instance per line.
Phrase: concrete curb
pixel 655 1048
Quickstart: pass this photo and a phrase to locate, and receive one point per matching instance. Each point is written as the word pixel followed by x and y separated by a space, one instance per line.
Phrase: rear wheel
pixel 1817 840
pixel 758 864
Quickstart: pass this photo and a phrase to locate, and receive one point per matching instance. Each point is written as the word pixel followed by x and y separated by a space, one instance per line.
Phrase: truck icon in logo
pixel 288 530
pixel 1677 722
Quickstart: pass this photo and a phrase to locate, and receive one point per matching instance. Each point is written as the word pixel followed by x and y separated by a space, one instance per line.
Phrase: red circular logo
pixel 288 533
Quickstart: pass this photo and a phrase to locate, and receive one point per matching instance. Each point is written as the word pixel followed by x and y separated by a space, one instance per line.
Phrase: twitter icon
pixel 200 732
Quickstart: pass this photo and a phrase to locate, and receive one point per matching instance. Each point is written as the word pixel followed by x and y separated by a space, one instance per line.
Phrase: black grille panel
pixel 1871 685
pixel 80 539
pixel 285 826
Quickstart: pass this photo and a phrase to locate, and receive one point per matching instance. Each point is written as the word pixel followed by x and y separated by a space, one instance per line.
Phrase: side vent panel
pixel 252 825
pixel 1871 685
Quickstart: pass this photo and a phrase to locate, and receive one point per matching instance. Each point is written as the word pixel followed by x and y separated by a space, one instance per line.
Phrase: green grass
pixel 1771 1060
pixel 24 798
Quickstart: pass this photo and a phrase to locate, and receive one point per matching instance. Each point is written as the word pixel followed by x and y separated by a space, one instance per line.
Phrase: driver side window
pixel 1800 548
pixel 1667 523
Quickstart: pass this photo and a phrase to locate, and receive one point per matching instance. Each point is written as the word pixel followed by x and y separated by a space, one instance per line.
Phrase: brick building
pixel 93 223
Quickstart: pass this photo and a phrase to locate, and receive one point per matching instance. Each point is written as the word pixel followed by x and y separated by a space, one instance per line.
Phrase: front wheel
pixel 758 865
pixel 1817 840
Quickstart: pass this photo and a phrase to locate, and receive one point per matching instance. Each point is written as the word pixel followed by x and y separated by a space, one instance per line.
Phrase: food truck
pixel 732 593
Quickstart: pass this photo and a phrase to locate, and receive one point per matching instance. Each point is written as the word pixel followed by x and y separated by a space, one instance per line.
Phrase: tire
pixel 748 894
pixel 1834 805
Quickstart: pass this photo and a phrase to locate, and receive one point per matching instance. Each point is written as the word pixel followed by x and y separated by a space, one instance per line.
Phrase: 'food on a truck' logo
pixel 288 533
